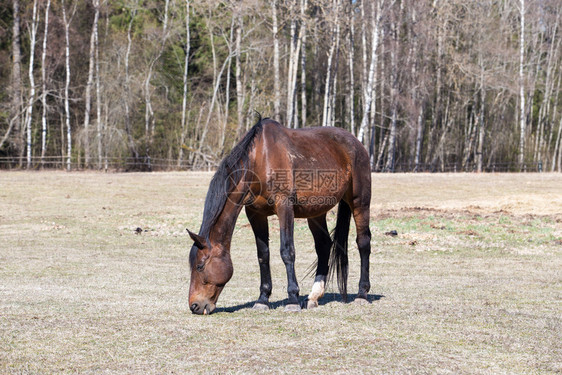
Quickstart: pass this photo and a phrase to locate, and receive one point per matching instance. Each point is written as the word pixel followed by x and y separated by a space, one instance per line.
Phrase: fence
pixel 145 164
pixel 107 164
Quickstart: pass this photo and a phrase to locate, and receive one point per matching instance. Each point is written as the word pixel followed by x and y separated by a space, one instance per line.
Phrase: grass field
pixel 471 284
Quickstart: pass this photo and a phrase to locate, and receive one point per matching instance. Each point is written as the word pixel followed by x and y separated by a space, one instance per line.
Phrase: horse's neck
pixel 221 231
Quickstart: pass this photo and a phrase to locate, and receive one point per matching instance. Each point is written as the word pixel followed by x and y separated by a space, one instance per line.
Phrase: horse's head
pixel 211 269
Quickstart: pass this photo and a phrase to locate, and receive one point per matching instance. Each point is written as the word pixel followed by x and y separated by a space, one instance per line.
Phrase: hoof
pixel 260 307
pixel 311 304
pixel 292 308
pixel 361 301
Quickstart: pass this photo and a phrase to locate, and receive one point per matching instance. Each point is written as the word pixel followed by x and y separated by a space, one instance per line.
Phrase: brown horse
pixel 292 174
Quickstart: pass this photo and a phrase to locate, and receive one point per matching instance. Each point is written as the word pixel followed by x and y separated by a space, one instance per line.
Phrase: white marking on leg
pixel 317 290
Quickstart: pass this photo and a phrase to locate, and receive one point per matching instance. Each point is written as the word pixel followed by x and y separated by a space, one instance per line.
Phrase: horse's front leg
pixel 286 222
pixel 261 233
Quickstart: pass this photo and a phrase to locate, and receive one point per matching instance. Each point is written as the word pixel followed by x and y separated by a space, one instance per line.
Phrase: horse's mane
pixel 233 167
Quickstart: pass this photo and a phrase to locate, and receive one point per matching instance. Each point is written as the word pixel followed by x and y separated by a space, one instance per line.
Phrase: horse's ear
pixel 199 241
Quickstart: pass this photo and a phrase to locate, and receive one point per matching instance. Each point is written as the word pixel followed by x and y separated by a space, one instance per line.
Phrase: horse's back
pixel 320 147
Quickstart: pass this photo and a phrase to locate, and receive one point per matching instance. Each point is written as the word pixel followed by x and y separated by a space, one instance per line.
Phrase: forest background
pixel 426 85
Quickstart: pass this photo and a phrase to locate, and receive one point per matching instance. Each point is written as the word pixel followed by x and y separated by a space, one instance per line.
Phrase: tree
pixel 44 86
pixel 67 22
pixel 16 108
pixel 369 78
pixel 88 98
pixel 522 117
pixel 185 82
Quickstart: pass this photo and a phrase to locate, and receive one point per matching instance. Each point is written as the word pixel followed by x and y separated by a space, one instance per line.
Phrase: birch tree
pixel 297 30
pixel 276 72
pixel 31 100
pixel 394 56
pixel 368 89
pixel 128 91
pixel 351 61
pixel 88 98
pixel 17 99
pixel 44 86
pixel 522 117
pixel 67 21
pixel 185 76
pixel 238 75
pixel 329 86
pixel 303 61
pixel 99 125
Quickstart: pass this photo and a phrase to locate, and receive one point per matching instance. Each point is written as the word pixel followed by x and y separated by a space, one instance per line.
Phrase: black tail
pixel 338 253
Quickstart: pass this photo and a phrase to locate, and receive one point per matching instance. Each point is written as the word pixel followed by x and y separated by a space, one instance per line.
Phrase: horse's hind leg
pixel 361 216
pixel 261 233
pixel 286 223
pixel 322 243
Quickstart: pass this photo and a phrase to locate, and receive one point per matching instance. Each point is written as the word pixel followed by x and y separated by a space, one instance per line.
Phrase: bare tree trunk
pixel 66 87
pixel 364 22
pixel 88 99
pixel 148 112
pixel 557 140
pixel 333 96
pixel 419 139
pixel 294 47
pixel 17 100
pixel 44 87
pixel 185 70
pixel 149 120
pixel 31 100
pixel 394 55
pixel 558 149
pixel 351 60
pixel 303 66
pixel 292 60
pixel 469 138
pixel 383 136
pixel 544 113
pixel 420 102
pixel 330 71
pixel 128 130
pixel 481 127
pixel 240 92
pixel 276 79
pixel 227 88
pixel 253 90
pixel 10 127
pixel 99 124
pixel 437 110
pixel 368 88
pixel 522 117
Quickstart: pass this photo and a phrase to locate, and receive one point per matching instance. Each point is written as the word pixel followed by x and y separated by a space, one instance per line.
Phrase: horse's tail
pixel 338 253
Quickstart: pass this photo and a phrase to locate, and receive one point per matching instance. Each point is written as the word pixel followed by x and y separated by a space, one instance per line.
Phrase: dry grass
pixel 471 284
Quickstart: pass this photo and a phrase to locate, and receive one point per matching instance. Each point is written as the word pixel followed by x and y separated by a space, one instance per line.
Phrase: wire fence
pixel 142 164
pixel 147 164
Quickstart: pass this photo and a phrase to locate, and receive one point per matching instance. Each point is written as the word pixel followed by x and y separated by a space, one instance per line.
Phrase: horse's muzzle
pixel 202 308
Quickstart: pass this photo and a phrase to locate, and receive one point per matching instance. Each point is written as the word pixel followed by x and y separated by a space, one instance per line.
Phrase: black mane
pixel 233 167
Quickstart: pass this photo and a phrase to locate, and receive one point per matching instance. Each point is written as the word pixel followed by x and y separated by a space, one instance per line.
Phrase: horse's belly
pixel 311 210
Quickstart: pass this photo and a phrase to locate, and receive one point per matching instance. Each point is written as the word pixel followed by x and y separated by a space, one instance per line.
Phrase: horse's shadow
pixel 328 298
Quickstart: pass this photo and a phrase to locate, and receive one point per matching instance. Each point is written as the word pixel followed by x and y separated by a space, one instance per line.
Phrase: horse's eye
pixel 200 267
